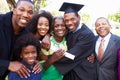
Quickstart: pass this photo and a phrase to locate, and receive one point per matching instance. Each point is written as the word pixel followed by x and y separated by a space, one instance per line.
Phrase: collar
pixel 106 37
pixel 78 27
pixel 56 43
pixel 27 65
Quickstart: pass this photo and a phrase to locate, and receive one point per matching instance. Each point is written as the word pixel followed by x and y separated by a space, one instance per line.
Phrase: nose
pixel 69 22
pixel 44 26
pixel 99 25
pixel 60 27
pixel 25 14
pixel 31 55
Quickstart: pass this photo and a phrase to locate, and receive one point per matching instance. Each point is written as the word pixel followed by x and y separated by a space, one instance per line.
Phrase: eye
pixel 97 25
pixel 34 52
pixel 63 25
pixel 72 19
pixel 21 9
pixel 47 25
pixel 66 21
pixel 56 26
pixel 40 24
pixel 104 24
pixel 26 53
pixel 30 12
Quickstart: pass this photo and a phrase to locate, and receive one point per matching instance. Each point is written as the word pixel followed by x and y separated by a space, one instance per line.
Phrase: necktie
pixel 101 50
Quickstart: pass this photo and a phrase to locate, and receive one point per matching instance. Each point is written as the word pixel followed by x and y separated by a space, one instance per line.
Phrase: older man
pixel 106 48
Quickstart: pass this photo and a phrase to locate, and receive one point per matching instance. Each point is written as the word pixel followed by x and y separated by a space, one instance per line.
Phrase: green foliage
pixel 43 3
pixel 56 13
pixel 115 17
pixel 37 5
pixel 85 17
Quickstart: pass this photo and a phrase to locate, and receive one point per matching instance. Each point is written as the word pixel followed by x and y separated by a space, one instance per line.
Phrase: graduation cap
pixel 70 7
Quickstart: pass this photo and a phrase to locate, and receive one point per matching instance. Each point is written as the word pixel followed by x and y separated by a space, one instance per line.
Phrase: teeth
pixel 32 60
pixel 42 31
pixel 60 32
pixel 23 21
pixel 101 30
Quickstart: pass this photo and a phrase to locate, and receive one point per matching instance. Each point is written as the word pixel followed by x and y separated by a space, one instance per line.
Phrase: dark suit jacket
pixel 107 68
pixel 7 39
pixel 80 44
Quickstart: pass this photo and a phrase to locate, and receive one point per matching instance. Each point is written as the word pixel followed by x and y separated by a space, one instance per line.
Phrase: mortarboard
pixel 70 7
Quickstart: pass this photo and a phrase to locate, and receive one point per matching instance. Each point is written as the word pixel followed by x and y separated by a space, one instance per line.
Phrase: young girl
pixel 26 50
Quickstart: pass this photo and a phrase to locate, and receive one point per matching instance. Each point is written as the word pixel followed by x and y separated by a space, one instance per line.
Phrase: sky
pixel 94 8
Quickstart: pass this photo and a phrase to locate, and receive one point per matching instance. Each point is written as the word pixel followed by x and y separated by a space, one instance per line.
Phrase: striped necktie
pixel 101 50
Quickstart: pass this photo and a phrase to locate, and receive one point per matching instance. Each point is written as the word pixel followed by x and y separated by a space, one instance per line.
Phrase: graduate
pixel 80 42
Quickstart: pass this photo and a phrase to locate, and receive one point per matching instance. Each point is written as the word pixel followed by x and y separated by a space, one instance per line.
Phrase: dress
pixel 15 76
pixel 7 39
pixel 52 73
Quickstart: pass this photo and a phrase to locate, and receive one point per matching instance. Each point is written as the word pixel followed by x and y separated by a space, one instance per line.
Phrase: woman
pixel 57 40
pixel 40 25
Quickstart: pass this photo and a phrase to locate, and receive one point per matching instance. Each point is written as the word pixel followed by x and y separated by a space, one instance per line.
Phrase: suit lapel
pixel 96 38
pixel 110 45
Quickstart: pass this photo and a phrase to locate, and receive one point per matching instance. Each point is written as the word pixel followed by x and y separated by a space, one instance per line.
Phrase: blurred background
pixel 92 10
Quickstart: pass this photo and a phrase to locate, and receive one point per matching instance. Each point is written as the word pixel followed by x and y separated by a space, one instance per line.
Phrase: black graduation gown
pixel 7 39
pixel 80 44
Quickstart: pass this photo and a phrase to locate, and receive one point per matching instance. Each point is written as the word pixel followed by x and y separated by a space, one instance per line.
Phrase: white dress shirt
pixel 106 38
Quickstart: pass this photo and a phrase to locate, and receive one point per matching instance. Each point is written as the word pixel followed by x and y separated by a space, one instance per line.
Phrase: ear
pixel 21 56
pixel 14 11
pixel 110 27
pixel 79 17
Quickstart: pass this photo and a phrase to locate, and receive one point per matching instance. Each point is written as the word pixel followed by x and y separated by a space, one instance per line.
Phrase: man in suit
pixel 80 42
pixel 107 59
pixel 12 25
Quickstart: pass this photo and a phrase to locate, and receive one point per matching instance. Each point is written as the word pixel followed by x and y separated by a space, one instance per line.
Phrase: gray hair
pixel 104 19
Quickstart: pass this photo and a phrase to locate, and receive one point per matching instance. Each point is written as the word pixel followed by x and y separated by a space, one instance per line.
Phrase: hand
pixel 37 68
pixel 19 68
pixel 57 55
pixel 43 56
pixel 46 42
pixel 91 58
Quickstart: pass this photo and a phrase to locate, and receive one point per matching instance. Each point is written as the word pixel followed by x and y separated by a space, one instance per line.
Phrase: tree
pixel 85 17
pixel 115 17
pixel 3 9
pixel 12 4
pixel 37 5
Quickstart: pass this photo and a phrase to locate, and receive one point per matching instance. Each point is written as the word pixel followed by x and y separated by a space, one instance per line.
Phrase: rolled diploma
pixel 68 55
